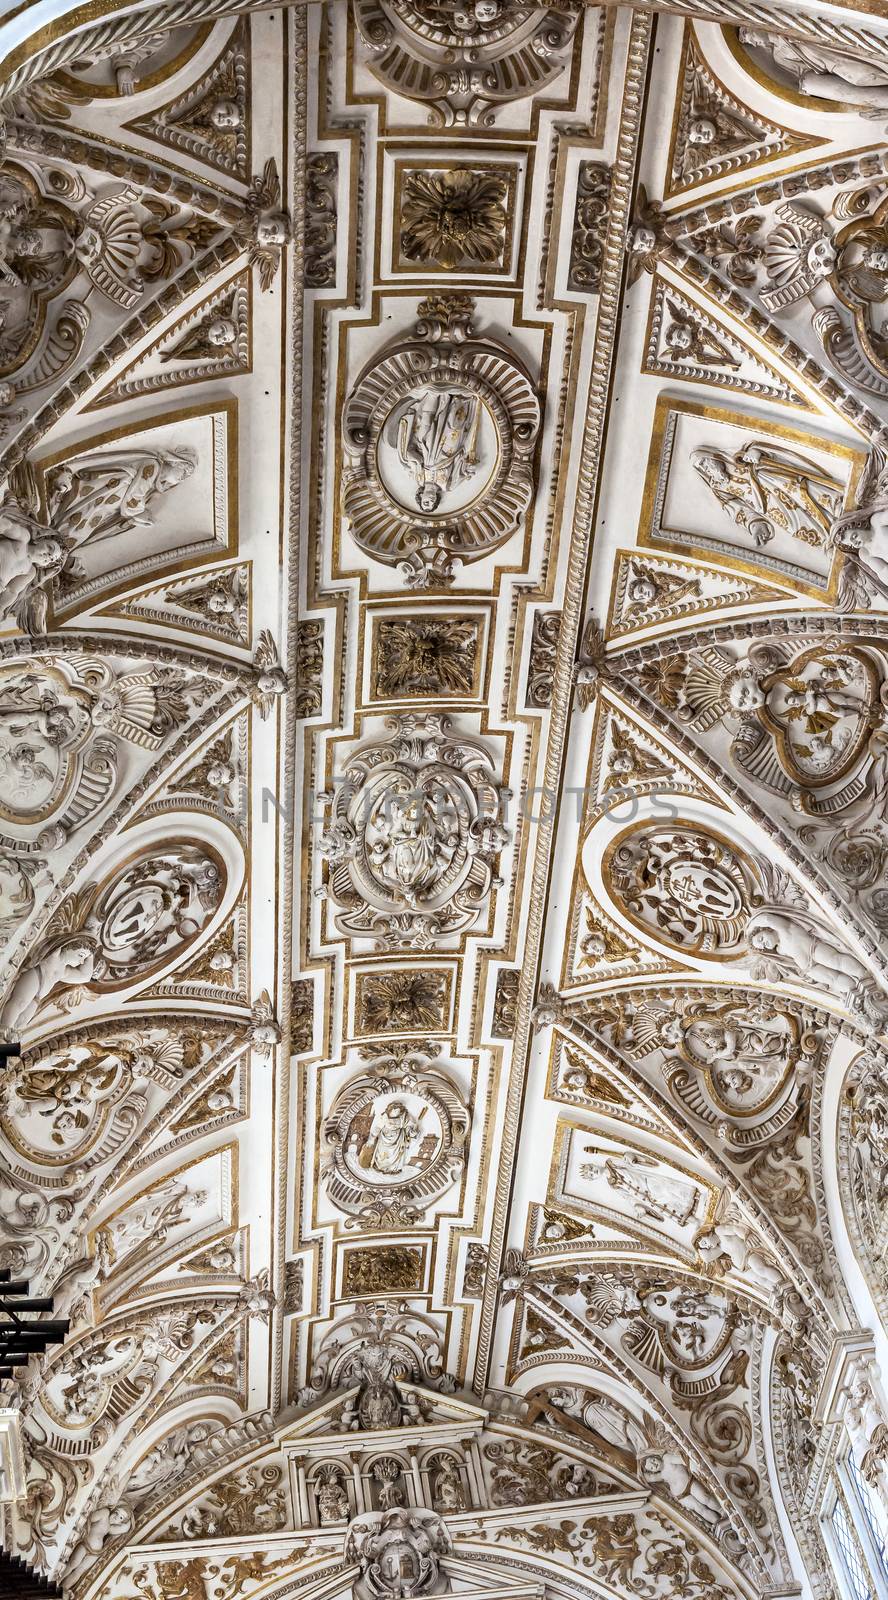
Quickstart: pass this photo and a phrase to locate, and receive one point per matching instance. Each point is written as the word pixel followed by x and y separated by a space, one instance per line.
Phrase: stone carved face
pixel 702 131
pixel 225 115
pixel 821 258
pixel 272 230
pixel 642 240
pixel 221 332
pixel 679 337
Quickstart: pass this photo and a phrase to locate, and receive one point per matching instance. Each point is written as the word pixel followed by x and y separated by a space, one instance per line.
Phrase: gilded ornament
pixel 424 656
pixel 385 1270
pixel 463 61
pixel 688 888
pixel 543 651
pixel 320 218
pixel 505 1001
pixel 589 227
pixel 409 1001
pixel 454 217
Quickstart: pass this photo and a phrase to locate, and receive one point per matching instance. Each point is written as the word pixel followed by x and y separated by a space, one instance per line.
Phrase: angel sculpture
pixel 664 1467
pixel 217 120
pixel 652 587
pixel 799 254
pixel 265 229
pixel 687 338
pixel 265 1030
pixel 823 73
pixel 862 532
pixel 31 554
pixel 713 132
pixel 211 339
pixel 111 1519
pixel 63 970
pixel 269 677
pixel 649 236
pixel 221 598
pixel 788 942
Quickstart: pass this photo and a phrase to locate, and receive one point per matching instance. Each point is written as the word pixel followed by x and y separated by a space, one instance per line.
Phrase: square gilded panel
pixel 428 657
pixel 755 493
pixel 452 215
pixel 383 1269
pixel 403 1000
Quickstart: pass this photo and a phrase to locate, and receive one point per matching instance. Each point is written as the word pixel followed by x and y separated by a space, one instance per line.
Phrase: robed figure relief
pixel 436 435
pixel 106 493
pixel 392 1140
pixel 768 489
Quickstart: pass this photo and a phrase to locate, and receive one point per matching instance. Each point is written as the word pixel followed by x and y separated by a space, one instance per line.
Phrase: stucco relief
pixel 439 434
pixel 414 833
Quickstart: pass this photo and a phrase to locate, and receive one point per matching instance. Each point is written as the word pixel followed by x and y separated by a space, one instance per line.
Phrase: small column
pixel 360 1498
pixel 418 1498
pixel 474 1473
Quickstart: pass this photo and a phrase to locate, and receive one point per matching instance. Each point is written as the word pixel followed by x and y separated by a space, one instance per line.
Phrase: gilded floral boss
pixel 454 216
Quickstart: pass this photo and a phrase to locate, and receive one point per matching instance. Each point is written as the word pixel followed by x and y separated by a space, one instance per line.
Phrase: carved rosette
pixel 439 436
pixel 463 71
pixel 413 834
pixel 396 1141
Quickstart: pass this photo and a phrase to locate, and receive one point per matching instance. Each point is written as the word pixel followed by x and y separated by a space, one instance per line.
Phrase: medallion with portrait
pixel 55 1107
pixel 439 436
pixel 395 1139
pixel 819 709
pixel 44 721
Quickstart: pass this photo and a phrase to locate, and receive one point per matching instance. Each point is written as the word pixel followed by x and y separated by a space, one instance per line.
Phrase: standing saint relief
pixel 765 488
pixel 436 434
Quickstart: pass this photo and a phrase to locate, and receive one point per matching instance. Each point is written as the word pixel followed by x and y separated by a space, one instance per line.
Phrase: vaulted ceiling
pixel 444 796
